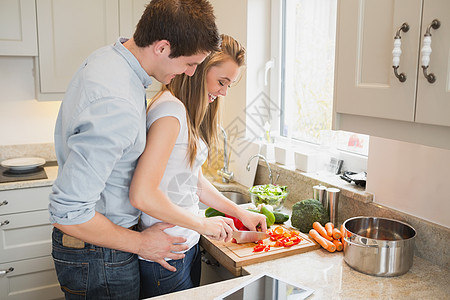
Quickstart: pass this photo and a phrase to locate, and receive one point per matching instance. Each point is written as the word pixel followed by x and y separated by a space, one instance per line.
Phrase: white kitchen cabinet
pixel 25 246
pixel 130 14
pixel 369 98
pixel 18 36
pixel 31 279
pixel 68 32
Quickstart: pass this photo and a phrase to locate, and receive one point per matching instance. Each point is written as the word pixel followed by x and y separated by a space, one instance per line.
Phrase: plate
pixel 23 163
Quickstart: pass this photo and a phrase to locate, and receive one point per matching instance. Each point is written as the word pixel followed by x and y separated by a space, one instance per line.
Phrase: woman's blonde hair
pixel 202 116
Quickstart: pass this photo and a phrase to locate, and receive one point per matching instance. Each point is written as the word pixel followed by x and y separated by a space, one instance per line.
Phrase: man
pixel 100 133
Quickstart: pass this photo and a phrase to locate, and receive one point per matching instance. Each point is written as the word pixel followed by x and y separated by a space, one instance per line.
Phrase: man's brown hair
pixel 188 25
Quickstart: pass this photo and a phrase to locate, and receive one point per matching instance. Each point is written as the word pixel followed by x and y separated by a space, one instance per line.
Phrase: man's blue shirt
pixel 99 135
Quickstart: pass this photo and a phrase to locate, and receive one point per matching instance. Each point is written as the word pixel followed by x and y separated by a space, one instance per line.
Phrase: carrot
pixel 342 232
pixel 321 230
pixel 336 234
pixel 329 228
pixel 322 241
pixel 338 245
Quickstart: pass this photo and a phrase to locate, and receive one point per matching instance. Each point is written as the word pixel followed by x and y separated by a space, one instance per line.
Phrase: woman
pixel 168 182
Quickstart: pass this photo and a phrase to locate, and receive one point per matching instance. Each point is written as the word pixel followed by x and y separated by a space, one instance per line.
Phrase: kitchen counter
pixel 332 278
pixel 324 272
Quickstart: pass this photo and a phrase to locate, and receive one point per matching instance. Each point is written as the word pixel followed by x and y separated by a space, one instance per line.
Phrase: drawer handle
pixel 6 222
pixel 426 50
pixel 4 272
pixel 397 51
pixel 4 203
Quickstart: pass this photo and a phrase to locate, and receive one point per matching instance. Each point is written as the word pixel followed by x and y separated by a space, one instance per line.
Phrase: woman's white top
pixel 179 181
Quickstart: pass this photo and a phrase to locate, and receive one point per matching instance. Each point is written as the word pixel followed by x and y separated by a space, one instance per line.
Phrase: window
pixel 307 53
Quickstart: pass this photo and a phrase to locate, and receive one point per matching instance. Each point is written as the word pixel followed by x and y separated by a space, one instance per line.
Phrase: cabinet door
pixel 31 279
pixel 26 235
pixel 23 200
pixel 130 14
pixel 433 99
pixel 18 34
pixel 68 32
pixel 365 84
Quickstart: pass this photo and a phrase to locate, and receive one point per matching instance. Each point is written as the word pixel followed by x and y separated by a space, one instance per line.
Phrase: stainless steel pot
pixel 378 246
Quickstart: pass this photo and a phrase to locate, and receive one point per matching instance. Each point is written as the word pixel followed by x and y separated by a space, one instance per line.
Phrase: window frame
pixel 353 161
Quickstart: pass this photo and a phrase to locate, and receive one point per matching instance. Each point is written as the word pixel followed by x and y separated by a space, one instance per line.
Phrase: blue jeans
pixel 156 280
pixel 95 272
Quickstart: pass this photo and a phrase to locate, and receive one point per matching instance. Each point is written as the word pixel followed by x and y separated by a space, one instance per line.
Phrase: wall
pixel 407 177
pixel 24 120
pixel 411 178
pixel 246 21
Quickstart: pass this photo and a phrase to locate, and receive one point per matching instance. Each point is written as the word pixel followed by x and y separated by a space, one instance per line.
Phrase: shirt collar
pixel 134 63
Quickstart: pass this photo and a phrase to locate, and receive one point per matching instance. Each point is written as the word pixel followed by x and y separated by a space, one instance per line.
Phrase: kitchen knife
pixel 249 236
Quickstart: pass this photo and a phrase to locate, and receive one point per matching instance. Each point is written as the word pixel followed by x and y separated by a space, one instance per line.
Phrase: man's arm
pixel 153 243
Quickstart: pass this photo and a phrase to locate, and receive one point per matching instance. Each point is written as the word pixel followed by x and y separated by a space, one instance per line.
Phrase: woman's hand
pixel 218 228
pixel 251 219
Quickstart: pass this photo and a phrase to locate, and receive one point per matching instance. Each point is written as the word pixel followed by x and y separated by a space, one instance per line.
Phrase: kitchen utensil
pixel 320 194
pixel 378 246
pixel 23 163
pixel 333 201
pixel 249 236
pixel 356 178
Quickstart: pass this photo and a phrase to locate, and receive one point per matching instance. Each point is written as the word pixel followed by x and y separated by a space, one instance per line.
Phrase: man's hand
pixel 156 245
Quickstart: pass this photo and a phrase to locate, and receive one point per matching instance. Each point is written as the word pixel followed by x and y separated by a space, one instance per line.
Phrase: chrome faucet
pixel 267 163
pixel 226 174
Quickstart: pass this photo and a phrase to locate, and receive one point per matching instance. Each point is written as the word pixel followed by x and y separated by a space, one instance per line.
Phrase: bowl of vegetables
pixel 273 195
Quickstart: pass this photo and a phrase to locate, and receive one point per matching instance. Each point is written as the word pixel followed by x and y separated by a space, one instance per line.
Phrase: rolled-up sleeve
pixel 95 141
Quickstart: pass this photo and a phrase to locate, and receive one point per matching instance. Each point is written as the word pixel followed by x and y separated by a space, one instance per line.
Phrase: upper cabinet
pixel 130 14
pixel 433 98
pixel 18 36
pixel 71 30
pixel 68 32
pixel 374 98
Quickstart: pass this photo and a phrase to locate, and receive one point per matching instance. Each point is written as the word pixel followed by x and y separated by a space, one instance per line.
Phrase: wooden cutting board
pixel 235 256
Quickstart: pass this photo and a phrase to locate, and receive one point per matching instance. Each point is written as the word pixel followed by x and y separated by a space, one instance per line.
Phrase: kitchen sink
pixel 236 197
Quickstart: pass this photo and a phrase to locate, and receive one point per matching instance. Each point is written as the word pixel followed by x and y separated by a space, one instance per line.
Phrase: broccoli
pixel 306 212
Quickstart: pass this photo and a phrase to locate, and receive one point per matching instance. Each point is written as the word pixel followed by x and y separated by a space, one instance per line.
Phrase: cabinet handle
pixel 6 222
pixel 4 203
pixel 4 272
pixel 426 50
pixel 397 51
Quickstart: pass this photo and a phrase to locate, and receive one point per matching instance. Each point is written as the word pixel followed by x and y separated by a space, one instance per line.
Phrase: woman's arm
pixel 211 197
pixel 146 195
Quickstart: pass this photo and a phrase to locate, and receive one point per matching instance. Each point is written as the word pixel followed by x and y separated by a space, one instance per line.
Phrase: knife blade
pixel 249 236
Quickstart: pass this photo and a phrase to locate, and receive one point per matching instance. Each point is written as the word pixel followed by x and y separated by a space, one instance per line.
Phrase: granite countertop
pixel 325 272
pixel 332 278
